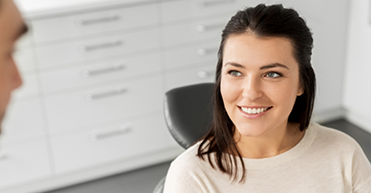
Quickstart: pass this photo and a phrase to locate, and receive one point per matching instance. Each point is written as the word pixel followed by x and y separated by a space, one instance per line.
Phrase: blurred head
pixel 253 42
pixel 11 28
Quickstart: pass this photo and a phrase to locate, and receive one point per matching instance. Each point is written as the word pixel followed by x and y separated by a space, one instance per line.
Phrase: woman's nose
pixel 252 89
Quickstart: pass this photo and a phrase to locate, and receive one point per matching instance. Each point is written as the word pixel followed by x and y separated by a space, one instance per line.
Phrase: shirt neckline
pixel 291 154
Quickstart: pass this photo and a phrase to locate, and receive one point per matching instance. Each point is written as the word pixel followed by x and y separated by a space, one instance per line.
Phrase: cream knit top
pixel 324 161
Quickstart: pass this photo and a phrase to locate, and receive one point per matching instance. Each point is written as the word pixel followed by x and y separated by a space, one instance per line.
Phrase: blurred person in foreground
pixel 12 28
pixel 262 138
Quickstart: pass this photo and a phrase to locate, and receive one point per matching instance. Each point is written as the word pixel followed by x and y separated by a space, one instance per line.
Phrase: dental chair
pixel 188 114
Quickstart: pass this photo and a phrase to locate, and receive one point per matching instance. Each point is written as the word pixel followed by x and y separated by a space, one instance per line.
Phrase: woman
pixel 261 138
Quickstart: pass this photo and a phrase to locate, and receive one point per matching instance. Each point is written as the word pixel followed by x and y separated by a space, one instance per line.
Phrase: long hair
pixel 263 21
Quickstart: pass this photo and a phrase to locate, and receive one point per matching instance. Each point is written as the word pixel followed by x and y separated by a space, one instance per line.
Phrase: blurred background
pixel 95 73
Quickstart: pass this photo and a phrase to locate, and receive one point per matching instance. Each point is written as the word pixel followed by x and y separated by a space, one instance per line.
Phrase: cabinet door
pixel 68 26
pixel 195 30
pixel 104 103
pixel 29 88
pixel 192 55
pixel 194 75
pixel 171 11
pixel 24 58
pixel 24 121
pixel 97 48
pixel 100 71
pixel 125 139
pixel 23 164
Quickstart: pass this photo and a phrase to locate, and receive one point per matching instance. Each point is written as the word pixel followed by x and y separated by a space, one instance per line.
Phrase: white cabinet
pixel 24 164
pixel 200 74
pixel 124 139
pixel 75 25
pixel 195 30
pixel 24 121
pixel 102 70
pixel 191 55
pixel 176 10
pixel 98 47
pixel 92 97
pixel 104 103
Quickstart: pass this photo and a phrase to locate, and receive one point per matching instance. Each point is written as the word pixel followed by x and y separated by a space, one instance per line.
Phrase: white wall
pixel 357 89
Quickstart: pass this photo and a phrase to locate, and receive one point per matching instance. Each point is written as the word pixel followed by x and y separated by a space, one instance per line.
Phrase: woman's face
pixel 259 83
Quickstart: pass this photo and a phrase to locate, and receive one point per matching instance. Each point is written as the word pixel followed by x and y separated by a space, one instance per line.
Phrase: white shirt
pixel 324 161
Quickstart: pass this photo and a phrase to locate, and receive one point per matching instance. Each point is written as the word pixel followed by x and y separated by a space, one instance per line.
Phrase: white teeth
pixel 253 110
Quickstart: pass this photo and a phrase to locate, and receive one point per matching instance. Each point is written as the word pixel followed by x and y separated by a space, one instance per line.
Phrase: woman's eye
pixel 273 75
pixel 234 73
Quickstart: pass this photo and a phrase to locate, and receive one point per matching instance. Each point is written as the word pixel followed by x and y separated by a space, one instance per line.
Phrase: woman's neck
pixel 270 144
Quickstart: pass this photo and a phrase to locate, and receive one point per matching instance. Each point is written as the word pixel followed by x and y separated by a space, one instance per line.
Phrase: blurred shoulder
pixel 186 172
pixel 189 158
pixel 332 137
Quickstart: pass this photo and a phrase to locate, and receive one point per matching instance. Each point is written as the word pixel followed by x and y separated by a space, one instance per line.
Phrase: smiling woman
pixel 262 138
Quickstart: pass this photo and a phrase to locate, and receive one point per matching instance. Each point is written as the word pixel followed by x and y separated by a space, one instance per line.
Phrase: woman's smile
pixel 253 112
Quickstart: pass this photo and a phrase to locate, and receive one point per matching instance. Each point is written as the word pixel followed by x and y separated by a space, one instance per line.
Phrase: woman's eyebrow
pixel 273 65
pixel 234 64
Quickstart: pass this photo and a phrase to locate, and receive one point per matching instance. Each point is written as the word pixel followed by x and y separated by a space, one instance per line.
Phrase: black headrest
pixel 188 112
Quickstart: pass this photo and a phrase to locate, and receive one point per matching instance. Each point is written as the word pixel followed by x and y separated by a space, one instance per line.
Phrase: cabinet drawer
pixel 197 30
pixel 92 23
pixel 122 140
pixel 24 163
pixel 24 59
pixel 108 102
pixel 197 8
pixel 100 71
pixel 191 55
pixel 23 120
pixel 204 73
pixel 92 49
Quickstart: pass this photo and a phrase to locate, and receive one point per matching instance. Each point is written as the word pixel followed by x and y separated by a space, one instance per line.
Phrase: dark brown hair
pixel 263 21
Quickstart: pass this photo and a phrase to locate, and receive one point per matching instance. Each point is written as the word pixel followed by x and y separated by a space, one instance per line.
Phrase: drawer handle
pixel 204 74
pixel 214 2
pixel 82 23
pixel 100 46
pixel 204 52
pixel 204 28
pixel 104 135
pixel 115 68
pixel 91 97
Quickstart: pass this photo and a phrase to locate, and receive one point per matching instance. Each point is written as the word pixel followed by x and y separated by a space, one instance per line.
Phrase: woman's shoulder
pixel 185 172
pixel 188 172
pixel 189 158
pixel 332 137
